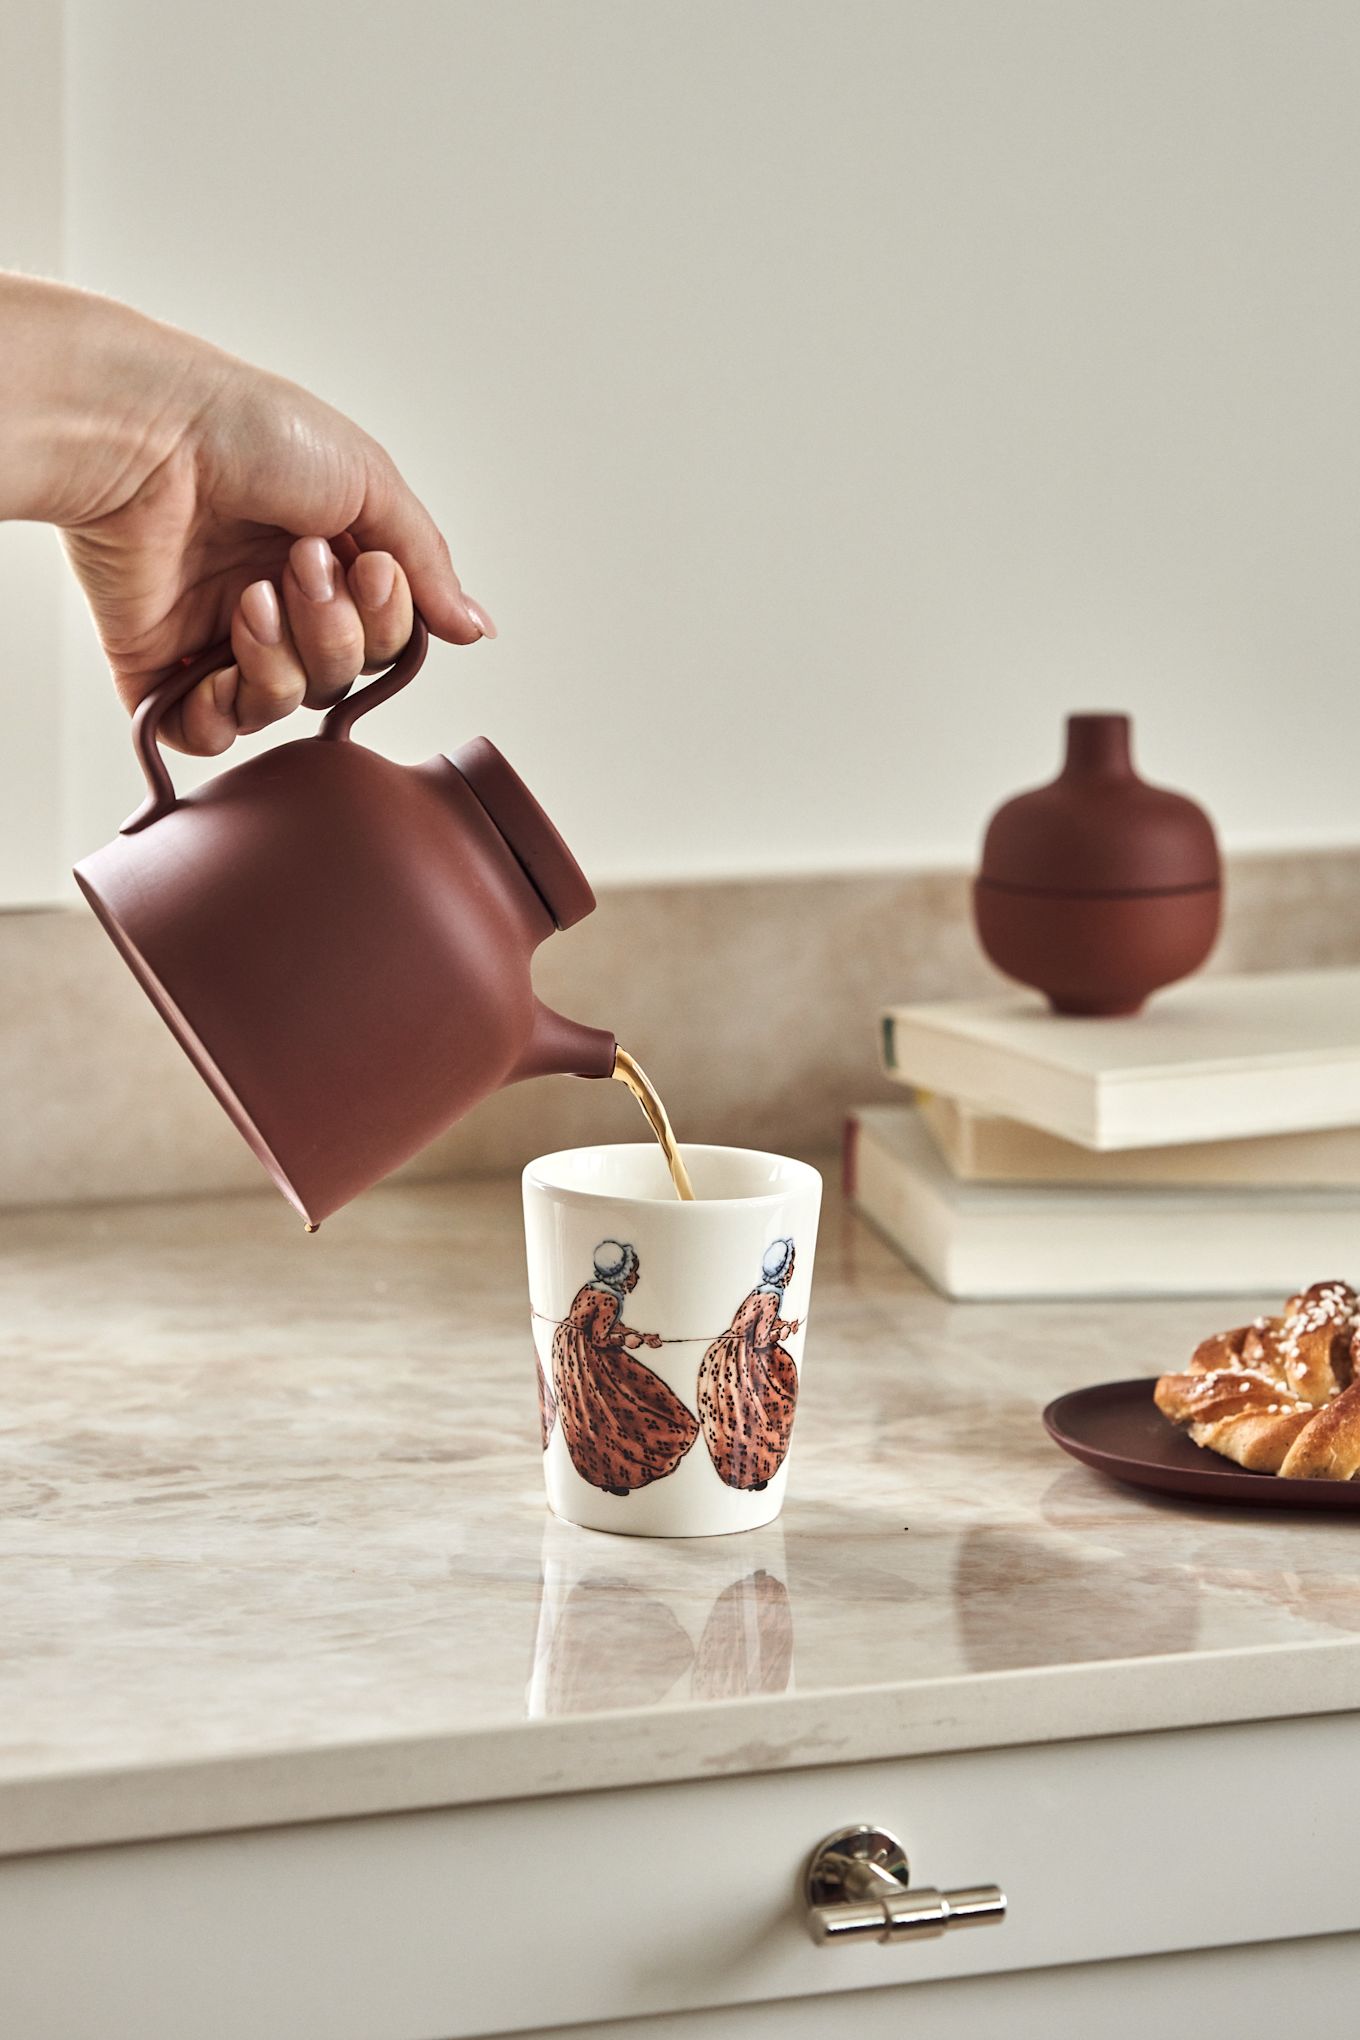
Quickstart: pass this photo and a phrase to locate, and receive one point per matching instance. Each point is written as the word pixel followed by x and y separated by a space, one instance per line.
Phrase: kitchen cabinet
pixel 1252 1993
pixel 313 1725
pixel 544 1913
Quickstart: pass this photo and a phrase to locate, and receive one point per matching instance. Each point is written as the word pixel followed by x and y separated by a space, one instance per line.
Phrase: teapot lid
pixel 547 863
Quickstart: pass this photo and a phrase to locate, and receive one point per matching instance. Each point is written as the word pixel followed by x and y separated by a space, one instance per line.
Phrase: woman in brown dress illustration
pixel 547 1404
pixel 748 1385
pixel 622 1425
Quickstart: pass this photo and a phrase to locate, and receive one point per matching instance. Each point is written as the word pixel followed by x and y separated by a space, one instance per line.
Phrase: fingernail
pixel 314 564
pixel 260 608
pixel 225 685
pixel 373 577
pixel 480 617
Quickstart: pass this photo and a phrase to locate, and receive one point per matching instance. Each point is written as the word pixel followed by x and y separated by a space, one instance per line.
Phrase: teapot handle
pixel 153 708
pixel 340 720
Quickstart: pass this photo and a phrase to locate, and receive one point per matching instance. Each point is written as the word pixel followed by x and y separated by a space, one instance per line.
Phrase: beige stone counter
pixel 273 1547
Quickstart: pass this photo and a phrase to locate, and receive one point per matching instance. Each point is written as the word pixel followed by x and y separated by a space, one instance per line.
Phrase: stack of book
pixel 1209 1145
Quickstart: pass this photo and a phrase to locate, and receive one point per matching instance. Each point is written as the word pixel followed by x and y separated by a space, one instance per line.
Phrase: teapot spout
pixel 559 1047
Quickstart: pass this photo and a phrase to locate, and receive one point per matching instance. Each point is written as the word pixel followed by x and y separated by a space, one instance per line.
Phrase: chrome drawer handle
pixel 857 1890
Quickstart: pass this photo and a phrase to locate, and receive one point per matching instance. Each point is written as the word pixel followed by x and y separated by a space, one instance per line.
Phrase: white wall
pixel 823 397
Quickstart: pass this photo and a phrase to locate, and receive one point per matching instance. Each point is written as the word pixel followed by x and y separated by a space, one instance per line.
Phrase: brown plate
pixel 1118 1429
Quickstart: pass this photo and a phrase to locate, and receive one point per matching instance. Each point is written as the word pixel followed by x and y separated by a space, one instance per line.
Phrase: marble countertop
pixel 273 1545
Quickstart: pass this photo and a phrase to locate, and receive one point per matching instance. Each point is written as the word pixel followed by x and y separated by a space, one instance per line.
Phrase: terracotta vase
pixel 1097 889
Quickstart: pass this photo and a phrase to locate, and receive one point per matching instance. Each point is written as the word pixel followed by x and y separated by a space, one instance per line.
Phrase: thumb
pixel 394 520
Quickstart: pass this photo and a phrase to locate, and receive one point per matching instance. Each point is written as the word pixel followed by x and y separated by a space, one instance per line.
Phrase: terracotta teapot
pixel 342 944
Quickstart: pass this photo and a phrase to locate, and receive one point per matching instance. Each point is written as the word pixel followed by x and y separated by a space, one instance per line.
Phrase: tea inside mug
pixel 636 1172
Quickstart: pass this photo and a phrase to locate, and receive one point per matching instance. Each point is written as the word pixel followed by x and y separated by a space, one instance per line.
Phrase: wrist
pixel 96 396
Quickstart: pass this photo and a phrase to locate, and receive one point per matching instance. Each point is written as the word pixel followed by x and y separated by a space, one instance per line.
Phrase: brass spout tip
pixel 309 1227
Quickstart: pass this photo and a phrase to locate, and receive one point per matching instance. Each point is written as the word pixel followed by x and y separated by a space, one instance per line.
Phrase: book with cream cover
pixel 981 1240
pixel 1216 1058
pixel 982 1147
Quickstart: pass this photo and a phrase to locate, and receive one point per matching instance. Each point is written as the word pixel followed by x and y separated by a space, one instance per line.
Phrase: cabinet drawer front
pixel 439 1926
pixel 1254 1993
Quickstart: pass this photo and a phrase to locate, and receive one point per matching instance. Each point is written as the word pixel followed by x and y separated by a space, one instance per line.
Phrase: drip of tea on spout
pixel 628 1072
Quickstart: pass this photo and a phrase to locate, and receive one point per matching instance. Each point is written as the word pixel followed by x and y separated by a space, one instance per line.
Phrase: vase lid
pixel 1098 828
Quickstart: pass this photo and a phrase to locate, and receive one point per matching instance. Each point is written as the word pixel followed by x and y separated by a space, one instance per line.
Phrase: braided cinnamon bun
pixel 1281 1395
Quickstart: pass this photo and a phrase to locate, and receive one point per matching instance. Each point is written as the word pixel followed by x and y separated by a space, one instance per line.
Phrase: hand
pixel 791 1327
pixel 654 1340
pixel 200 498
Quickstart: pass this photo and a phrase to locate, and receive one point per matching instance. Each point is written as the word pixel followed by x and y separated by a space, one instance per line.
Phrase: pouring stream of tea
pixel 628 1072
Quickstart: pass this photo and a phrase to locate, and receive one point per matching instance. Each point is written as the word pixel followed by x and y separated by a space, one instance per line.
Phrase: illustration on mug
pixel 623 1426
pixel 748 1384
pixel 547 1404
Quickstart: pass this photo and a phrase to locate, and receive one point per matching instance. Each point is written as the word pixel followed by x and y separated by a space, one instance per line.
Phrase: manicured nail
pixel 373 577
pixel 480 617
pixel 314 565
pixel 260 608
pixel 224 686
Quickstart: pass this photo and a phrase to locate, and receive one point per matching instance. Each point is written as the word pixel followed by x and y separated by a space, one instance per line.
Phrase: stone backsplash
pixel 752 1004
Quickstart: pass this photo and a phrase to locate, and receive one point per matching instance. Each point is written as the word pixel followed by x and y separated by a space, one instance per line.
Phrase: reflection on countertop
pixel 616 1629
pixel 273 1544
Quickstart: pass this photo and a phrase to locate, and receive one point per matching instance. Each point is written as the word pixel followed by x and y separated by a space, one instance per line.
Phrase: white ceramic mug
pixel 669 1335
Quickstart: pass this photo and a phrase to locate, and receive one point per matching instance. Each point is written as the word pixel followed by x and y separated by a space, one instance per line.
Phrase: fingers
pixel 382 596
pixel 273 681
pixel 331 626
pixel 395 521
pixel 204 724
pixel 308 642
pixel 323 621
pixel 312 645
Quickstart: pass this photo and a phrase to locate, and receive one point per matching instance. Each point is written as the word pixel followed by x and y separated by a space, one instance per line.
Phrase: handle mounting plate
pixel 844 1865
